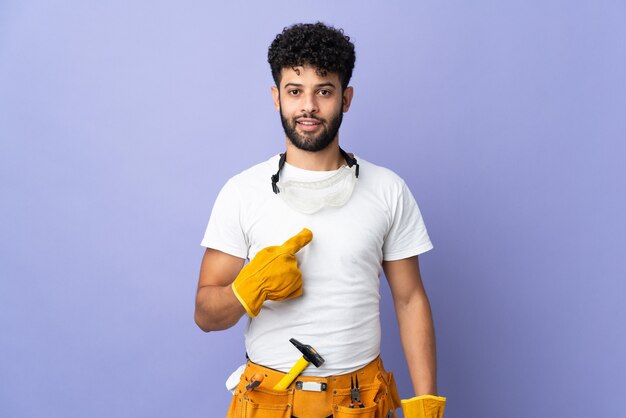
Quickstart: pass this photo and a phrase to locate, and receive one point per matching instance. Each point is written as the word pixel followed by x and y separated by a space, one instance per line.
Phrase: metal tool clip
pixel 311 386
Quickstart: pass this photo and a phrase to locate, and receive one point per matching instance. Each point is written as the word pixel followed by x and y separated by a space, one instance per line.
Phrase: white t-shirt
pixel 338 312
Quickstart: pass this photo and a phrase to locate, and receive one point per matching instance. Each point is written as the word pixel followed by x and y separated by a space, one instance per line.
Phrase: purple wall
pixel 120 121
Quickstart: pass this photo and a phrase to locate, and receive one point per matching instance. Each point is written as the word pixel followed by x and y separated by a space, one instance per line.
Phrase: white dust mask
pixel 310 196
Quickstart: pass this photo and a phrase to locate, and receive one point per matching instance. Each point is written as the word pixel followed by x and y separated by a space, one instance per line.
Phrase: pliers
pixel 355 393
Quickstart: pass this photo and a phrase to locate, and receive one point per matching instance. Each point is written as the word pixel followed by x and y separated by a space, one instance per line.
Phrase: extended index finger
pixel 295 243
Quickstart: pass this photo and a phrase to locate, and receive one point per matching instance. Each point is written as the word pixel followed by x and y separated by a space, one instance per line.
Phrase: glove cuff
pixel 424 406
pixel 252 312
pixel 416 398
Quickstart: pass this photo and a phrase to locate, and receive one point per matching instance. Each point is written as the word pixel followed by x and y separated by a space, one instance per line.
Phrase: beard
pixel 312 142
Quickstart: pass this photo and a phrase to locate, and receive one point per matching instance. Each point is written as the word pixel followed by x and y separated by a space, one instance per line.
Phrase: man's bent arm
pixel 217 307
pixel 415 323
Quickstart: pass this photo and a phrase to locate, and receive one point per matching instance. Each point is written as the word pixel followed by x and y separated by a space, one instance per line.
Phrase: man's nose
pixel 309 103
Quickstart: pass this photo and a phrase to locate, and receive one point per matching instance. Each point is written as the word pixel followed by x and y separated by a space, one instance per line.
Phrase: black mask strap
pixel 350 161
pixel 281 163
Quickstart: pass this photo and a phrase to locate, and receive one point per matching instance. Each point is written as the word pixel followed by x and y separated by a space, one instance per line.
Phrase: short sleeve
pixel 407 235
pixel 224 231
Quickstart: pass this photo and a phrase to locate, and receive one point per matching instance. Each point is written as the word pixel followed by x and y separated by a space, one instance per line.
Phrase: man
pixel 354 218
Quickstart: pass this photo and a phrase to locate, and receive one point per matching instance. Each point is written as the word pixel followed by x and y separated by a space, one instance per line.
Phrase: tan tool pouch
pixel 378 393
pixel 261 403
pixel 380 398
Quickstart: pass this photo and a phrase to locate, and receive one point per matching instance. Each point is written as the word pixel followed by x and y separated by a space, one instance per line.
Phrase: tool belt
pixel 316 397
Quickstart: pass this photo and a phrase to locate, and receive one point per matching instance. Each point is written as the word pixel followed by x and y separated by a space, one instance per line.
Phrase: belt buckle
pixel 311 386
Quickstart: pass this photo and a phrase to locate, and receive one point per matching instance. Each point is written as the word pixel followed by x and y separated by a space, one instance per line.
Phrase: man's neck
pixel 328 159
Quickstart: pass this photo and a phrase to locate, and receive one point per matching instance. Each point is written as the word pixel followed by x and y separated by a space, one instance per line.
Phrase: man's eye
pixel 294 92
pixel 324 92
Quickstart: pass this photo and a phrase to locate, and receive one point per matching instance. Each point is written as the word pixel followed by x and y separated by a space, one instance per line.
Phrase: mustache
pixel 309 116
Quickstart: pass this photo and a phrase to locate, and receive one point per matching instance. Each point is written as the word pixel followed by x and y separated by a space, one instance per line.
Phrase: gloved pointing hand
pixel 272 274
pixel 424 406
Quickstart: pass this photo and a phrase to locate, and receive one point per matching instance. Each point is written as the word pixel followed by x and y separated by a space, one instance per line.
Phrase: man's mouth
pixel 307 124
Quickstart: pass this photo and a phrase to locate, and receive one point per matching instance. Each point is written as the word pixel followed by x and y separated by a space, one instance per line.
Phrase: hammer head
pixel 308 352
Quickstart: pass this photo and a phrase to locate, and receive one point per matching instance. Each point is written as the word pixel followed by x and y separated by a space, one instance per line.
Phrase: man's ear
pixel 276 97
pixel 348 93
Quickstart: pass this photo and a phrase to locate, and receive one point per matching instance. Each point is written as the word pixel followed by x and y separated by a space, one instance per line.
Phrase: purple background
pixel 120 121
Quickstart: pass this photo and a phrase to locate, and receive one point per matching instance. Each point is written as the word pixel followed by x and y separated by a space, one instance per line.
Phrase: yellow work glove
pixel 272 274
pixel 424 406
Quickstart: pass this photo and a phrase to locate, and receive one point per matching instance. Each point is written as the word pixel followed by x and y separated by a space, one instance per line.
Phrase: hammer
pixel 309 355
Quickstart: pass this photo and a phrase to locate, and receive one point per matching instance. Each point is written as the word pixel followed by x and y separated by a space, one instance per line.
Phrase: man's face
pixel 311 106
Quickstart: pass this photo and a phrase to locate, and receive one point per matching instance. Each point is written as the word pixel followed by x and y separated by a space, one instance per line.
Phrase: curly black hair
pixel 315 44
